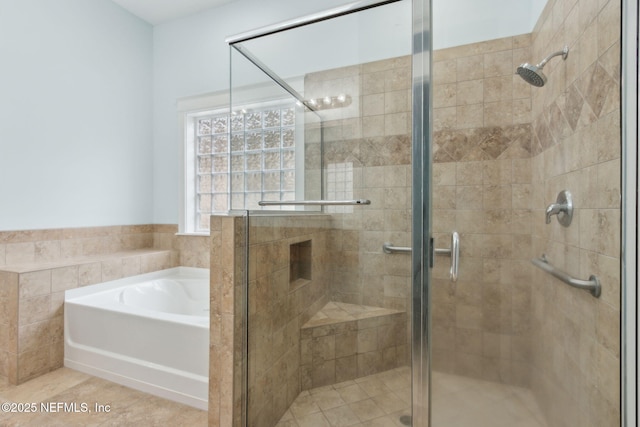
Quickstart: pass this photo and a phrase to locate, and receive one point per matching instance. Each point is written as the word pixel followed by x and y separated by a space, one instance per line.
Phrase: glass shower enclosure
pixel 396 198
pixel 326 177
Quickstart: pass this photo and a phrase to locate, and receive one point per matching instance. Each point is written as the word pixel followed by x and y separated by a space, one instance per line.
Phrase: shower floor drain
pixel 405 420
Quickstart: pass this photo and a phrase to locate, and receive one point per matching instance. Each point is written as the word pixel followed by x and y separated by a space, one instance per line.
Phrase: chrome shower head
pixel 533 74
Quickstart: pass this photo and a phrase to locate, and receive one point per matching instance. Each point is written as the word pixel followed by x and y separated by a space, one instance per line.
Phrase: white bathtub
pixel 149 332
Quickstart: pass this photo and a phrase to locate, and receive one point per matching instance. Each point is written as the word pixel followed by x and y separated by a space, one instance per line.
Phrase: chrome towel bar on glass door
pixel 592 285
pixel 388 248
pixel 314 202
pixel 454 252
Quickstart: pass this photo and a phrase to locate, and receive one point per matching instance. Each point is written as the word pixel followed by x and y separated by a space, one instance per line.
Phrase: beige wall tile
pixel 64 278
pixel 56 307
pixel 34 336
pixel 70 248
pixel 9 300
pixel 35 284
pixel 20 253
pixel 112 269
pixel 34 309
pixel 469 92
pixel 498 113
pixel 468 68
pixel 444 95
pixel 469 116
pixel 89 274
pixel 498 63
pixel 498 88
pixel 47 251
pixel 443 118
pixel 373 105
pixel 130 266
pixel 445 72
pixel 397 123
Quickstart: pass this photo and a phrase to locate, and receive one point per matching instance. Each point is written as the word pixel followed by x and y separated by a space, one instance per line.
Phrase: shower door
pixel 511 344
pixel 324 109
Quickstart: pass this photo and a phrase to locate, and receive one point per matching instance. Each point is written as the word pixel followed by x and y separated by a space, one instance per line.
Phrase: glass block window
pixel 243 158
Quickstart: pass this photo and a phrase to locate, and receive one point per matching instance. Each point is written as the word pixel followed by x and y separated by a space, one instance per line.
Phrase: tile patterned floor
pixel 127 407
pixel 379 401
pixel 374 401
pixel 467 402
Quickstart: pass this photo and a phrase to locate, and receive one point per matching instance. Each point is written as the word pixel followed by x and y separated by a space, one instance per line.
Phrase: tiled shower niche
pixel 299 263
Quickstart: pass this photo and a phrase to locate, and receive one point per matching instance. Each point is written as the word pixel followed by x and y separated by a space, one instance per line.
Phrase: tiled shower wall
pixel 279 305
pixel 576 146
pixel 228 237
pixel 367 155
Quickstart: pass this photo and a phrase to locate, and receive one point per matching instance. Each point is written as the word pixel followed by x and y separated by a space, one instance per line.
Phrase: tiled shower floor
pixel 380 400
pixel 374 401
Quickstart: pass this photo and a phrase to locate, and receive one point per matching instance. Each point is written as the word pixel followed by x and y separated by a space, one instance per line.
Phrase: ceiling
pixel 158 11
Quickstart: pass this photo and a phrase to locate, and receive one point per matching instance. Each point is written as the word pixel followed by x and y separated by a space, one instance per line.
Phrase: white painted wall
pixel 459 22
pixel 88 118
pixel 75 115
pixel 191 58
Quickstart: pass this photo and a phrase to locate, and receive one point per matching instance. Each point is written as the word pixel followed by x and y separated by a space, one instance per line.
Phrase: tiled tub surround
pixel 37 266
pixel 42 246
pixel 32 301
pixel 50 245
pixel 111 330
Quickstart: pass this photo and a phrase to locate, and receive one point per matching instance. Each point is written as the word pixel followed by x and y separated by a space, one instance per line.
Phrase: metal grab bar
pixel 314 202
pixel 592 285
pixel 454 252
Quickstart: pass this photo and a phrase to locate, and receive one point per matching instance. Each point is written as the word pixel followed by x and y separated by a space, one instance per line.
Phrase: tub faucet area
pixel 553 209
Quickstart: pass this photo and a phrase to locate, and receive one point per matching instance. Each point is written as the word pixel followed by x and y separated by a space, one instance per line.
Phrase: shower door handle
pixel 454 252
pixel 455 256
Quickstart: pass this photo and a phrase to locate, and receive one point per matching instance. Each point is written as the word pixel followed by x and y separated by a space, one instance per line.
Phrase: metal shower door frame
pixel 422 243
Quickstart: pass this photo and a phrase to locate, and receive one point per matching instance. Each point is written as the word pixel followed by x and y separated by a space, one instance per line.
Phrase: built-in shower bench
pixel 346 341
pixel 32 298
